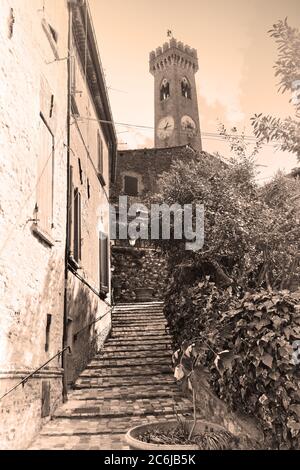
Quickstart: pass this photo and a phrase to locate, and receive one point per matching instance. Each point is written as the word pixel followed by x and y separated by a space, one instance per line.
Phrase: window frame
pixel 44 231
pixel 137 185
pixel 100 159
pixel 76 252
pixel 104 264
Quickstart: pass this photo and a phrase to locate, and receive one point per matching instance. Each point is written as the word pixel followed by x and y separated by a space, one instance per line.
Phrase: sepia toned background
pixel 236 58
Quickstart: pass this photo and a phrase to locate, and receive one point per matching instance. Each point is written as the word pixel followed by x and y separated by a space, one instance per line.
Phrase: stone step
pixel 141 306
pixel 161 330
pixel 80 426
pixel 140 326
pixel 133 343
pixel 82 441
pixel 141 334
pixel 139 391
pixel 144 346
pixel 119 381
pixel 133 354
pixel 129 371
pixel 123 408
pixel 128 362
pixel 142 320
pixel 139 313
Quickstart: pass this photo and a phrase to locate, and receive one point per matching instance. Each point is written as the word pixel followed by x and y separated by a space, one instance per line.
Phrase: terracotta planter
pixel 144 294
pixel 135 444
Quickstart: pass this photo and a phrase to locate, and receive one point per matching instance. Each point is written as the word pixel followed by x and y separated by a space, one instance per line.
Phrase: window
pixel 45 180
pixel 80 171
pixel 70 208
pixel 104 262
pixel 131 186
pixel 164 90
pixel 48 325
pixel 45 408
pixel 74 106
pixel 77 226
pixel 186 88
pixel 100 159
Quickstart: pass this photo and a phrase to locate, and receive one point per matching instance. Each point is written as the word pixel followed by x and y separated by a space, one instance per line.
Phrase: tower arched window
pixel 164 90
pixel 186 88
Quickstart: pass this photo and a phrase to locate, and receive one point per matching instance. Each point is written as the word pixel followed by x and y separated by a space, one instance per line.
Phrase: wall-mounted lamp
pixel 132 241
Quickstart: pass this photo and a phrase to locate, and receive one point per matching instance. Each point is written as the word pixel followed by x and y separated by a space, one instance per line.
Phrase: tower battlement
pixel 173 52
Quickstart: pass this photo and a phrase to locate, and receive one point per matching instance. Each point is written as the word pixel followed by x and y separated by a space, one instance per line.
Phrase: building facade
pixel 92 156
pixel 56 163
pixel 33 167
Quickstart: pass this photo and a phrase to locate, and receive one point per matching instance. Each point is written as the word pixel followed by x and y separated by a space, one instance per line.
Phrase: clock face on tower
pixel 188 125
pixel 165 127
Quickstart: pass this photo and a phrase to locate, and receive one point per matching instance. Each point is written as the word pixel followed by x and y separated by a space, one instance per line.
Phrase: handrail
pixel 23 381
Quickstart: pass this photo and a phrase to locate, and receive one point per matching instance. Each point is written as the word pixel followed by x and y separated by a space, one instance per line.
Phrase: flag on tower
pixel 169 33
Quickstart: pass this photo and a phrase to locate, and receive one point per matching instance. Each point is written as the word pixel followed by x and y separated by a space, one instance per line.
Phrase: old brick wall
pixel 31 271
pixel 138 268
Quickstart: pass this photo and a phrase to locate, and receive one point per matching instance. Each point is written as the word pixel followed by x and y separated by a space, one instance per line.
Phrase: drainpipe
pixel 65 319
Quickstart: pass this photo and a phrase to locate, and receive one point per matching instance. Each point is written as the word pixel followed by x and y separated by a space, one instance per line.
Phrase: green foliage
pixel 246 344
pixel 247 238
pixel 287 68
pixel 222 298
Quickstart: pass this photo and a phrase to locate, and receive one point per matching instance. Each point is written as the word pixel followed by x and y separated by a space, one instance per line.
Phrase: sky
pixel 236 58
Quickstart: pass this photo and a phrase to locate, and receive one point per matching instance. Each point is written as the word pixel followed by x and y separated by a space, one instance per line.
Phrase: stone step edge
pixel 150 374
pixel 85 386
pixel 187 410
pixel 120 366
pixel 137 342
pixel 168 354
pixel 142 396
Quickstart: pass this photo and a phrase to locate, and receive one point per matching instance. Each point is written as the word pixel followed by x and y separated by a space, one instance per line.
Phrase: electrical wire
pixel 206 135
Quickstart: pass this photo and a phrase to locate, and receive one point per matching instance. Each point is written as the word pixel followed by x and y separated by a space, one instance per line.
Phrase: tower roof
pixel 171 52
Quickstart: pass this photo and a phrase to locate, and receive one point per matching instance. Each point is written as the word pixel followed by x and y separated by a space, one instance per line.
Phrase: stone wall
pixel 31 270
pixel 146 165
pixel 136 268
pixel 211 408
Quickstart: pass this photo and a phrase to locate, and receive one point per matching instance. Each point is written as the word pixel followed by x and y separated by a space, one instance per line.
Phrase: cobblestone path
pixel 129 382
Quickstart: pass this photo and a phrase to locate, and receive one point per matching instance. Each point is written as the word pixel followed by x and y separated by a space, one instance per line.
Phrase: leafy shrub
pixel 248 350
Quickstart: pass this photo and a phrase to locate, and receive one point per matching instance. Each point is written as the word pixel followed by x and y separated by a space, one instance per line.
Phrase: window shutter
pixel 45 171
pixel 70 208
pixel 77 226
pixel 104 262
pixel 100 153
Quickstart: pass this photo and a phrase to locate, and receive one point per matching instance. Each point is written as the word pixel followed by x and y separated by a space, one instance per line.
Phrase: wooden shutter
pixel 100 153
pixel 77 226
pixel 45 170
pixel 70 209
pixel 104 262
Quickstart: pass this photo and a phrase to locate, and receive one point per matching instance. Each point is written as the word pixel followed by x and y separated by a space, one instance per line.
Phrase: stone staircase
pixel 129 382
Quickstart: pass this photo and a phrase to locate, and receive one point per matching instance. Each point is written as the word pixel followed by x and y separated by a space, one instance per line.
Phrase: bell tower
pixel 176 107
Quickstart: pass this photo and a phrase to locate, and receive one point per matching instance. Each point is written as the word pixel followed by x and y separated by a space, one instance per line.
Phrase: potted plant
pixel 182 434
